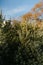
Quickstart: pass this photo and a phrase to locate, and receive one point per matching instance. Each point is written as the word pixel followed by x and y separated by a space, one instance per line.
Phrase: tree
pixel 35 13
pixel 1 18
pixel 38 10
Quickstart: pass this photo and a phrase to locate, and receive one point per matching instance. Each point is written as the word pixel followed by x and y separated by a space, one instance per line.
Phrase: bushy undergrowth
pixel 21 44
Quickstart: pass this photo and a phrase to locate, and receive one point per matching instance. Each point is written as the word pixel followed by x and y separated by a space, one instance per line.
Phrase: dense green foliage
pixel 21 44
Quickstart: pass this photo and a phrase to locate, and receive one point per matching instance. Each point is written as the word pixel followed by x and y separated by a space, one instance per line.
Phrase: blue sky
pixel 15 8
